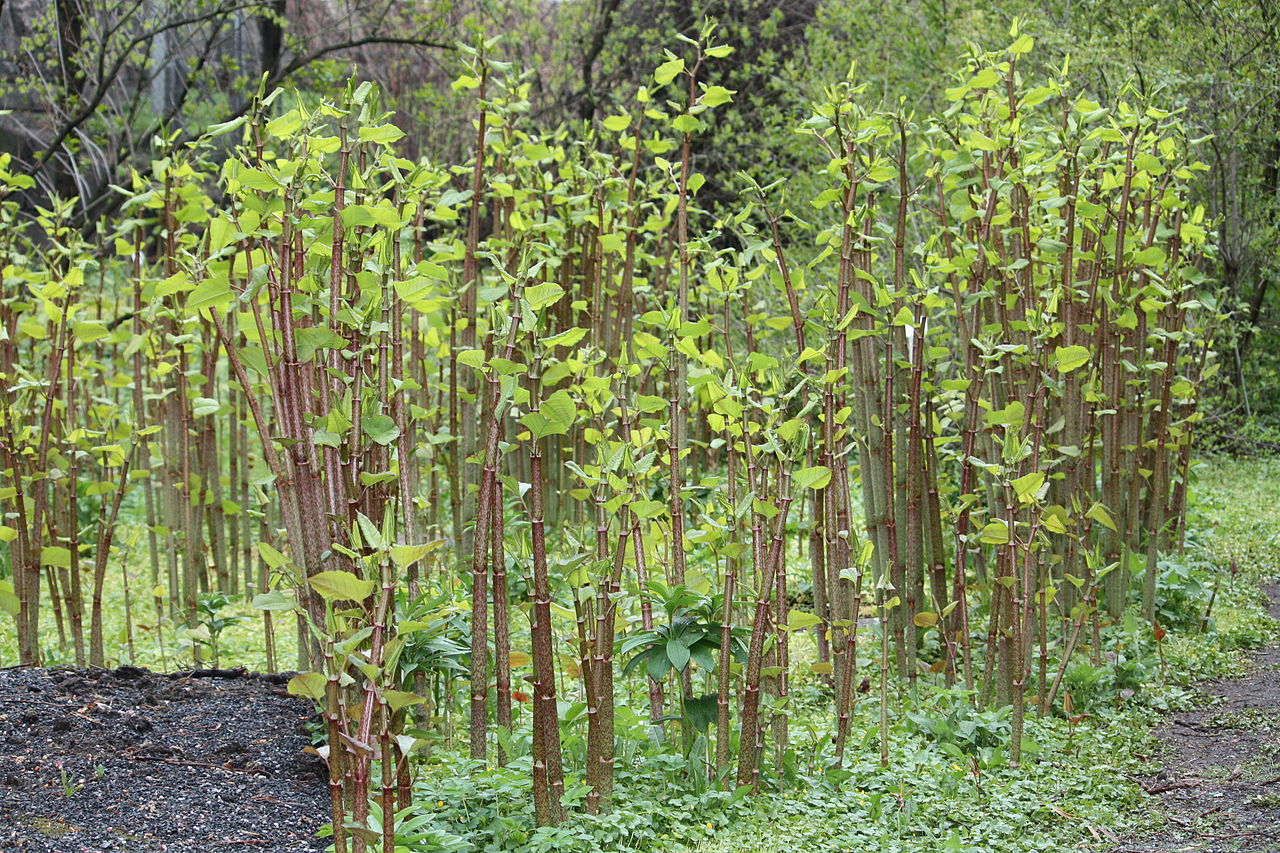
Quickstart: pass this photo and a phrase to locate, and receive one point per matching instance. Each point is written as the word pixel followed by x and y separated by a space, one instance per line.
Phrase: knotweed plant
pixel 539 426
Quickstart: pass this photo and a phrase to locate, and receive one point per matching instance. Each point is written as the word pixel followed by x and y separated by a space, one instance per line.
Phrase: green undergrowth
pixel 1233 550
pixel 945 788
pixel 160 641
pixel 948 785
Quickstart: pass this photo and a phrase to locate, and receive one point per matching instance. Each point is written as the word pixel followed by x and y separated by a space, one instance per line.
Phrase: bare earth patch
pixel 1220 782
pixel 129 760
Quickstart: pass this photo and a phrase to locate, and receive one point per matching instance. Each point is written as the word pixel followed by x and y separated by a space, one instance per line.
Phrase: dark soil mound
pixel 129 760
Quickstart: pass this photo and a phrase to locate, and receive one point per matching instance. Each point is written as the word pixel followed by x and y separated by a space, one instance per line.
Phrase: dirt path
pixel 1220 782
pixel 127 760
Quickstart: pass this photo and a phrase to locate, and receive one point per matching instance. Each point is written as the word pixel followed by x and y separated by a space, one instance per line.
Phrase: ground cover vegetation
pixel 597 460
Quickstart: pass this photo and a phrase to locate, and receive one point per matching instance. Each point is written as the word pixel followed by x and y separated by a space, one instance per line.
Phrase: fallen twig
pixel 266 799
pixel 1245 834
pixel 245 841
pixel 180 763
pixel 1160 789
pixel 70 709
pixel 237 672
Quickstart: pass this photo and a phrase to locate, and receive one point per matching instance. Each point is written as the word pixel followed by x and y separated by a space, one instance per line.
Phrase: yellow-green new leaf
pixel 798 620
pixel 8 601
pixel 271 556
pixel 340 586
pixel 1055 519
pixel 308 684
pixel 617 123
pixel 924 619
pixel 667 71
pixel 816 477
pixel 55 556
pixel 211 293
pixel 405 556
pixel 542 295
pixel 1067 359
pixel 995 533
pixel 1099 514
pixel 1028 487
pixel 398 699
pixel 714 96
pixel 567 338
pixel 273 600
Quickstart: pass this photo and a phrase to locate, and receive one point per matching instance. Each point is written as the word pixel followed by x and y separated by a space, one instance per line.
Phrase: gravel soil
pixel 1220 780
pixel 130 760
